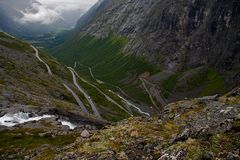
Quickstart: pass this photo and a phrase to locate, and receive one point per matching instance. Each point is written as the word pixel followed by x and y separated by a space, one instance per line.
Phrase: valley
pixel 133 80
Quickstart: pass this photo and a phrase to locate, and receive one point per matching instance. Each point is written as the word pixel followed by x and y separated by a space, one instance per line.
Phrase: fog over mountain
pixel 50 11
pixel 32 16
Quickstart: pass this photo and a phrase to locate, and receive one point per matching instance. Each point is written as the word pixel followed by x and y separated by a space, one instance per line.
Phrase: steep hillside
pixel 179 48
pixel 195 30
pixel 40 84
pixel 26 85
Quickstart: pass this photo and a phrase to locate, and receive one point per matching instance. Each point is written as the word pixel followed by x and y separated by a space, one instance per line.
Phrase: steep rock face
pixel 174 34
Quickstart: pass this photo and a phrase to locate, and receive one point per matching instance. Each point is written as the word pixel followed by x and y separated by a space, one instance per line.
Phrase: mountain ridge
pixel 176 42
pixel 136 79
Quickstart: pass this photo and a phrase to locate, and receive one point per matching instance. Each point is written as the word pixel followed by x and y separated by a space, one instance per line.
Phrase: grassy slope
pixel 113 113
pixel 51 86
pixel 29 139
pixel 28 76
pixel 108 63
pixel 107 60
pixel 210 81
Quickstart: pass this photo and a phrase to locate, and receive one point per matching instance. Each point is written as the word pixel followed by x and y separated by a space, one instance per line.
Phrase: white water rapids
pixel 10 120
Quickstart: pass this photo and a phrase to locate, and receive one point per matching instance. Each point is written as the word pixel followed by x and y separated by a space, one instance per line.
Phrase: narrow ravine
pixel 90 101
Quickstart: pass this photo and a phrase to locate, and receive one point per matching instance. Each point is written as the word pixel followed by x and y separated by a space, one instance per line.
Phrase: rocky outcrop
pixel 174 34
pixel 200 128
pixel 189 129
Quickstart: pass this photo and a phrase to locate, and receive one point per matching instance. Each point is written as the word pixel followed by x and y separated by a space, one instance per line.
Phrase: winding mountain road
pixel 37 55
pixel 131 104
pixel 156 93
pixel 81 105
pixel 122 98
pixel 150 96
pixel 90 101
pixel 105 95
pixel 9 35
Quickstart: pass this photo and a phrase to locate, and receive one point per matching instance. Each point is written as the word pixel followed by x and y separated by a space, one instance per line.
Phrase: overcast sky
pixel 52 10
pixel 84 4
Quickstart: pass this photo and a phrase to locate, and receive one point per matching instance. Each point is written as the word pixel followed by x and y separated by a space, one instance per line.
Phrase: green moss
pixel 19 138
pixel 193 147
pixel 95 147
pixel 169 129
pixel 224 142
pixel 196 111
pixel 26 140
pixel 29 139
pixel 47 154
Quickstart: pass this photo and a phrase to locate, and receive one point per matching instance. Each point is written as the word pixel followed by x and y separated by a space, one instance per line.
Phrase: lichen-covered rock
pixel 198 131
pixel 85 134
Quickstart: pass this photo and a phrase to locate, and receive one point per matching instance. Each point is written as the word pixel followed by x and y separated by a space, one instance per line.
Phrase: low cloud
pixel 52 10
pixel 38 13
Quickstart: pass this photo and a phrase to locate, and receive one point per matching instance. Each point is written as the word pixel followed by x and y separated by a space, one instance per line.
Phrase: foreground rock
pixel 203 128
pixel 85 134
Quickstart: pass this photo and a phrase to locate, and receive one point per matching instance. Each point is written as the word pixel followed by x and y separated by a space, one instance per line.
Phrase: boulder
pixel 85 134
